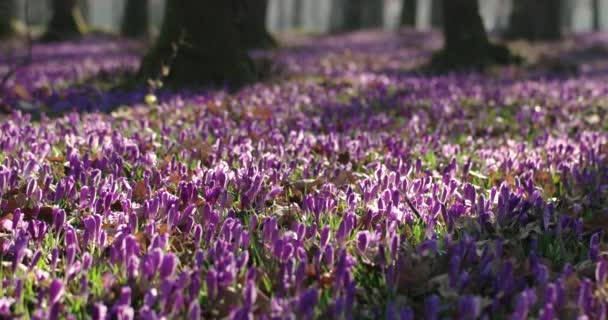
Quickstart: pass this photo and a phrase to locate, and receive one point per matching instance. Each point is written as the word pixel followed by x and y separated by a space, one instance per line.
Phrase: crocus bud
pixel 324 237
pixel 58 219
pixel 55 291
pixel 168 265
pixel 431 308
pixel 124 312
pixel 362 240
pixel 594 247
pixel 194 311
pixel 601 271
pixel 212 286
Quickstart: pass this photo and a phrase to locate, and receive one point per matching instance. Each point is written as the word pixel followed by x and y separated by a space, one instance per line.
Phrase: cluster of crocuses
pixel 351 189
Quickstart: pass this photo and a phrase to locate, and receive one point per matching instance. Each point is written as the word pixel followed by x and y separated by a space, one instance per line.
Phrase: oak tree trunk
pixel 437 13
pixel 466 41
pixel 66 21
pixel 353 15
pixel 298 9
pixel 535 20
pixel 135 19
pixel 596 11
pixel 199 44
pixel 7 14
pixel 409 13
pixel 373 14
pixel 254 33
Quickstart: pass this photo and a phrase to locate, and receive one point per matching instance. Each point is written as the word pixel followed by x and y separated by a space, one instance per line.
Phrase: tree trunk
pixel 7 14
pixel 135 19
pixel 283 18
pixel 336 16
pixel 298 8
pixel 437 13
pixel 566 15
pixel 595 6
pixel 466 42
pixel 408 13
pixel 84 10
pixel 253 25
pixel 199 44
pixel 66 21
pixel 353 15
pixel 535 20
pixel 372 14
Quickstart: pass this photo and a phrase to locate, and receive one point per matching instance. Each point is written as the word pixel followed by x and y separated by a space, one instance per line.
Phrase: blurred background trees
pixel 204 41
pixel 135 19
pixel 66 21
pixel 199 43
pixel 7 17
pixel 535 20
pixel 321 16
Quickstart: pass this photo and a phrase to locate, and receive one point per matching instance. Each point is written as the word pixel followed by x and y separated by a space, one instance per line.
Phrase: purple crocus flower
pixel 125 312
pixel 363 239
pixel 168 265
pixel 431 307
pixel 55 291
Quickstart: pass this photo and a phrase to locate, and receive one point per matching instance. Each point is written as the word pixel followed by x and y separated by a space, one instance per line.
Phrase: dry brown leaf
pixel 545 180
pixel 260 112
pixel 22 92
pixel 305 184
pixel 344 178
pixel 140 191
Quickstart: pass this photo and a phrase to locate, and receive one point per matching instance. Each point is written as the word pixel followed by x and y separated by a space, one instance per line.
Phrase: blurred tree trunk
pixel 84 10
pixel 437 13
pixel 597 14
pixel 372 14
pixel 566 15
pixel 408 13
pixel 8 10
pixel 199 44
pixel 353 15
pixel 298 8
pixel 135 19
pixel 253 25
pixel 359 14
pixel 466 41
pixel 535 20
pixel 282 21
pixel 66 21
pixel 336 16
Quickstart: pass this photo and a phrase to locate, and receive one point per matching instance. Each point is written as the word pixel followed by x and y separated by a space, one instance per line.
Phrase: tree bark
pixel 336 16
pixel 135 19
pixel 199 44
pixel 535 20
pixel 7 14
pixel 253 25
pixel 595 7
pixel 372 14
pixel 66 22
pixel 437 13
pixel 298 8
pixel 353 15
pixel 408 13
pixel 83 5
pixel 466 41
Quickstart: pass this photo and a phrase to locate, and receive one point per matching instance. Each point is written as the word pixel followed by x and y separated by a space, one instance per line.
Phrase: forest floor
pixel 348 183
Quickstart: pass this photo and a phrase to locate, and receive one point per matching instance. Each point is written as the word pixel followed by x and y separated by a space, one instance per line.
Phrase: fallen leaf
pixel 260 112
pixel 305 184
pixel 344 178
pixel 140 191
pixel 22 92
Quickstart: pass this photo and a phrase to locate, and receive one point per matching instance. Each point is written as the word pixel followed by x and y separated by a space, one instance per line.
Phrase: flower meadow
pixel 348 186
